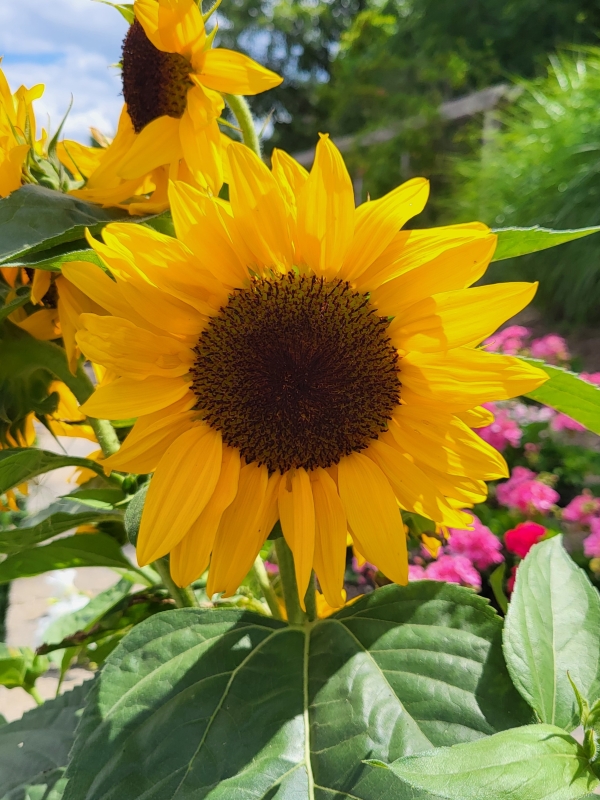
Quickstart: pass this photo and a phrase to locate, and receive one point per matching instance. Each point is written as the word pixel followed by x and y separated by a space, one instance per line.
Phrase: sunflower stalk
pixel 184 597
pixel 241 111
pixel 262 578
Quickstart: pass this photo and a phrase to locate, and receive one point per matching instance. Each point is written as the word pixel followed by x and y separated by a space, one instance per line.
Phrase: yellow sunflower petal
pixel 125 398
pixel 189 558
pixel 458 487
pixel 128 350
pixel 43 324
pixel 150 438
pixel 239 537
pixel 182 485
pixel 456 268
pixel 378 221
pixel 409 250
pixel 201 139
pixel 42 278
pixel 234 73
pixel 157 144
pixel 452 319
pixel 465 377
pixel 373 515
pixel 330 537
pixel 258 208
pixel 447 445
pixel 297 517
pixel 413 489
pixel 326 211
pixel 174 26
pixel 478 417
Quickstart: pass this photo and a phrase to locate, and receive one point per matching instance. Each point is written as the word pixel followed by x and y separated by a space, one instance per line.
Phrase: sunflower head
pixel 155 83
pixel 291 357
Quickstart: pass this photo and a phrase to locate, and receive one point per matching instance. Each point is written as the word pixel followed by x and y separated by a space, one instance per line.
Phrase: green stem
pixel 184 598
pixel 35 694
pixel 287 574
pixel 262 577
pixel 241 111
pixel 310 599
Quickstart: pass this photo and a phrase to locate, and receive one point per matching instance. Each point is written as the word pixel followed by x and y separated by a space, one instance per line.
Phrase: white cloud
pixel 68 45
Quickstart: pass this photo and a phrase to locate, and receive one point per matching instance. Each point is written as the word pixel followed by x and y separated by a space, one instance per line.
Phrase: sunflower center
pixel 155 83
pixel 296 372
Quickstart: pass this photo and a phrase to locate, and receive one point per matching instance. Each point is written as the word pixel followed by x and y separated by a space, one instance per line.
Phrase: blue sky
pixel 68 45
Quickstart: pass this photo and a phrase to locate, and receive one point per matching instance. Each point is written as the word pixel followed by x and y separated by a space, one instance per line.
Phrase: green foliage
pixel 552 631
pixel 541 168
pixel 34 749
pixel 20 464
pixel 20 666
pixel 133 515
pixel 536 762
pixel 80 550
pixel 401 670
pixel 568 393
pixel 514 242
pixel 23 538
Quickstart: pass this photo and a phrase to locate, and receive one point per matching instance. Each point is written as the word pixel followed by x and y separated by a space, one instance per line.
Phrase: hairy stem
pixel 285 560
pixel 262 577
pixel 241 110
pixel 35 694
pixel 184 598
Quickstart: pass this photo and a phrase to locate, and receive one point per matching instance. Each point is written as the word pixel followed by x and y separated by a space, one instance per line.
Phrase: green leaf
pixel 497 584
pixel 19 301
pixel 567 392
pixel 54 257
pixel 520 241
pixel 33 219
pixel 17 539
pixel 125 9
pixel 34 749
pixel 20 464
pixel 552 630
pixel 199 703
pixel 83 550
pixel 96 498
pixel 133 515
pixel 537 762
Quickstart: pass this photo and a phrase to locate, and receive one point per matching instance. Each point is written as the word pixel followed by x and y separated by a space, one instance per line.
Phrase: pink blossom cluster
pixel 503 431
pixel 585 511
pixel 562 422
pixel 524 492
pixel 551 348
pixel 452 569
pixel 511 340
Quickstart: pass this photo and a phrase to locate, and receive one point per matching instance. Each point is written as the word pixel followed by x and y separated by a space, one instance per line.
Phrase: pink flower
pixel 415 573
pixel 591 545
pixel 561 422
pixel 521 539
pixel 502 432
pixel 551 348
pixel 453 569
pixel 510 583
pixel 271 568
pixel 591 377
pixel 510 340
pixel 480 545
pixel 523 492
pixel 582 509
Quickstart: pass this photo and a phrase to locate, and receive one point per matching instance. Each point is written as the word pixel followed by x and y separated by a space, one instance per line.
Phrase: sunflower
pixel 172 84
pixel 292 358
pixel 17 133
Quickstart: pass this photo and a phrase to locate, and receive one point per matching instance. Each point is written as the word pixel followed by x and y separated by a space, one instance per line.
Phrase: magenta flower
pixel 502 432
pixel 582 509
pixel 415 573
pixel 591 377
pixel 561 422
pixel 453 569
pixel 521 539
pixel 591 545
pixel 551 348
pixel 480 545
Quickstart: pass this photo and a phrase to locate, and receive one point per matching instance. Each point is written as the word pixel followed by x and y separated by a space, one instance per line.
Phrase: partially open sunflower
pixel 173 80
pixel 291 357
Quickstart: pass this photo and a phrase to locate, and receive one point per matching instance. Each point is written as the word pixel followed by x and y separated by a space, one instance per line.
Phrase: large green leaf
pixel 20 464
pixel 20 300
pixel 17 539
pixel 537 762
pixel 553 628
pixel 34 749
pixel 567 392
pixel 81 550
pixel 199 703
pixel 33 219
pixel 520 241
pixel 54 257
